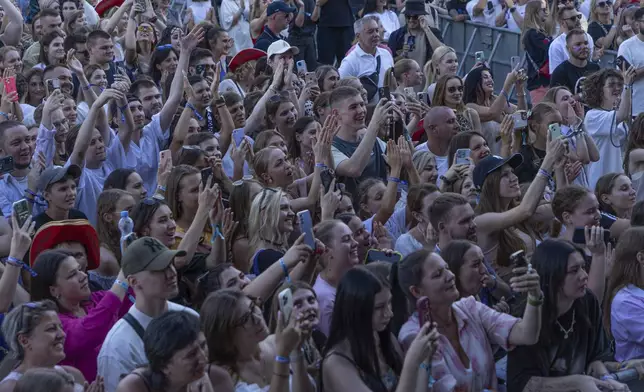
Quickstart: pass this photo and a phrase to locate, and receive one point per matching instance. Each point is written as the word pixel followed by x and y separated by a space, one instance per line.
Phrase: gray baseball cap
pixel 147 254
pixel 54 174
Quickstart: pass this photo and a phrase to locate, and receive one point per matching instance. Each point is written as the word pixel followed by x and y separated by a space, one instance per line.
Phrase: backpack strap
pixel 134 323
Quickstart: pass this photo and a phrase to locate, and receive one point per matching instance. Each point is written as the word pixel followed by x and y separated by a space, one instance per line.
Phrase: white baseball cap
pixel 281 47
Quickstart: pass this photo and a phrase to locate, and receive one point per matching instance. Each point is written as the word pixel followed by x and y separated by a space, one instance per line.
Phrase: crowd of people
pixel 319 201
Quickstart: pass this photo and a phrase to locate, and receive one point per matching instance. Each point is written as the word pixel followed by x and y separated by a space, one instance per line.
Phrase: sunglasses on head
pixel 453 89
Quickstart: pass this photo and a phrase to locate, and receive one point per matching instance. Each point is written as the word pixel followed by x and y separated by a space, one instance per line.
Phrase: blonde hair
pixel 420 159
pixel 531 20
pixel 431 68
pixel 263 220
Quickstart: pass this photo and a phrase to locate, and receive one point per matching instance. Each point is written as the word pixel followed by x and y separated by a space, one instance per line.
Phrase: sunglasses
pixel 573 18
pixel 604 4
pixel 243 180
pixel 144 29
pixel 453 89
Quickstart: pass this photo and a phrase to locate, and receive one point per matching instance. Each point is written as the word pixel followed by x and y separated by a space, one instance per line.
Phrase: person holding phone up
pixel 464 359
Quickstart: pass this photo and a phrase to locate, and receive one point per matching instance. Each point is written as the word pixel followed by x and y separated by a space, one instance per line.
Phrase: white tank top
pixel 15 376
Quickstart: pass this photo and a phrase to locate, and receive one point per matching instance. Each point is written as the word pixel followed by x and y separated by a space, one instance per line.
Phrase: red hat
pixel 74 230
pixel 244 56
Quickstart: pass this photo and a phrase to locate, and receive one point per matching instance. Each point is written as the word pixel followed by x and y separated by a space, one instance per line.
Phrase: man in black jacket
pixel 415 40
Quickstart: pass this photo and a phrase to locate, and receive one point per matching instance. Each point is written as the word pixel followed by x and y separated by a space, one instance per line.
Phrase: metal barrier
pixel 498 44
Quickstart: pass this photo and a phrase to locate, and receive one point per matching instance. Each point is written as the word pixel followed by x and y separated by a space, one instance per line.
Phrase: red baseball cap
pixel 244 56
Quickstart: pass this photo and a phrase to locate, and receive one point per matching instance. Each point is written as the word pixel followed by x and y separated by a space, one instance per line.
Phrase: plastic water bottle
pixel 126 225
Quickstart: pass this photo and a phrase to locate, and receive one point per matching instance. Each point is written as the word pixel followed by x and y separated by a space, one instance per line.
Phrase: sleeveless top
pixel 387 382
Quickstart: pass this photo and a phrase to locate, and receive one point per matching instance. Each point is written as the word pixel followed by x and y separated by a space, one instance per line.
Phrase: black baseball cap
pixel 279 6
pixel 492 163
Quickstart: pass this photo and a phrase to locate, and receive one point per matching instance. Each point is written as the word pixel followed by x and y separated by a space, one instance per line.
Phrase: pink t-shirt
pixel 479 327
pixel 326 299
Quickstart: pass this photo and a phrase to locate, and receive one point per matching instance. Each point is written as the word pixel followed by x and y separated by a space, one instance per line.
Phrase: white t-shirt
pixel 389 22
pixel 509 19
pixel 240 32
pixel 558 52
pixel 146 154
pixel 359 63
pixel 599 124
pixel 90 184
pixel 407 244
pixel 441 162
pixel 633 51
pixel 488 17
pixel 123 350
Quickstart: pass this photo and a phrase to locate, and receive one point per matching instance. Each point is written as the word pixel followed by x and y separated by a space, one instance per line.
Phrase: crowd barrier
pixel 498 44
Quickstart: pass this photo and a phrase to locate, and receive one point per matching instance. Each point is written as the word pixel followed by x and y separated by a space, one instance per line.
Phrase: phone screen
pixel 205 176
pixel 6 165
pixel 306 225
pixel 555 131
pixel 463 156
pixel 384 93
pixel 21 210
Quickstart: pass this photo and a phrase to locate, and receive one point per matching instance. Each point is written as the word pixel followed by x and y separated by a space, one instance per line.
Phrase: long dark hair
pixel 164 337
pixel 143 212
pixel 158 56
pixel 550 260
pixel 408 272
pixel 352 321
pixel 46 266
pixel 472 85
pixel 453 255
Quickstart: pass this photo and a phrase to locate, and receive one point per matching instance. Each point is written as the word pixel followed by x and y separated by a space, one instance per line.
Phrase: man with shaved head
pixel 440 125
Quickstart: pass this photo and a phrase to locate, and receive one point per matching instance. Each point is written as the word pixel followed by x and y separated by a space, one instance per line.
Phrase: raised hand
pixel 190 41
pixel 74 63
pixel 21 237
pixel 595 240
pixel 299 252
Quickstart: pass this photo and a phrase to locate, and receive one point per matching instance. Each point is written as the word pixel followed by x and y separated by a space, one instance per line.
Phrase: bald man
pixel 440 125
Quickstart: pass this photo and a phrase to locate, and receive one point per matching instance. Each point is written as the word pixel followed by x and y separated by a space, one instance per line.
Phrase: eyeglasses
pixel 453 89
pixel 23 312
pixel 412 17
pixel 254 314
pixel 573 18
pixel 604 4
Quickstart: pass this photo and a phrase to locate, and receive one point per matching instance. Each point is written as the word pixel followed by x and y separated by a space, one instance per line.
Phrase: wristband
pixel 545 174
pixel 123 284
pixel 426 367
pixel 5 115
pixel 280 359
pixel 321 166
pixel 32 193
pixel 16 262
pixel 394 179
pixel 286 276
pixel 536 302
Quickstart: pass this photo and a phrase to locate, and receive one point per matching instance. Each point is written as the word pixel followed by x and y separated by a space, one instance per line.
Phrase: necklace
pixel 566 332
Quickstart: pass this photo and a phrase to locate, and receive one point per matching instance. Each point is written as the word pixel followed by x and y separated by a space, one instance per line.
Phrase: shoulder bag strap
pixel 134 323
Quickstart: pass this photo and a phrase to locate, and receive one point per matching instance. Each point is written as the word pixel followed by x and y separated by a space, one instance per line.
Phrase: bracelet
pixel 161 188
pixel 544 173
pixel 281 359
pixel 32 193
pixel 17 262
pixel 286 276
pixel 394 179
pixel 123 284
pixel 321 166
pixel 536 302
pixel 5 115
pixel 426 367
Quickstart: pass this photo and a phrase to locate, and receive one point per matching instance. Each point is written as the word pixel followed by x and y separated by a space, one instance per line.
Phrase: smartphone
pixel 301 67
pixel 462 156
pixel 164 156
pixel 285 298
pixel 480 57
pixel 409 91
pixel 327 177
pixel 6 165
pixel 622 64
pixel 205 176
pixel 309 78
pixel 515 62
pixel 555 131
pixel 607 220
pixel 49 85
pixel 579 236
pixel 384 93
pixel 518 259
pixel 520 118
pixel 306 225
pixel 411 43
pixel 21 211
pixel 142 4
pixel 422 97
pixel 424 313
pixel 10 84
pixel 238 136
pixel 376 255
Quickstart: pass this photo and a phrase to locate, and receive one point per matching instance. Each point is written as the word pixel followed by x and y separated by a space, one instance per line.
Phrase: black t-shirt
pixel 44 218
pixel 567 74
pixel 586 343
pixel 536 45
pixel 532 158
pixel 339 13
pixel 598 30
